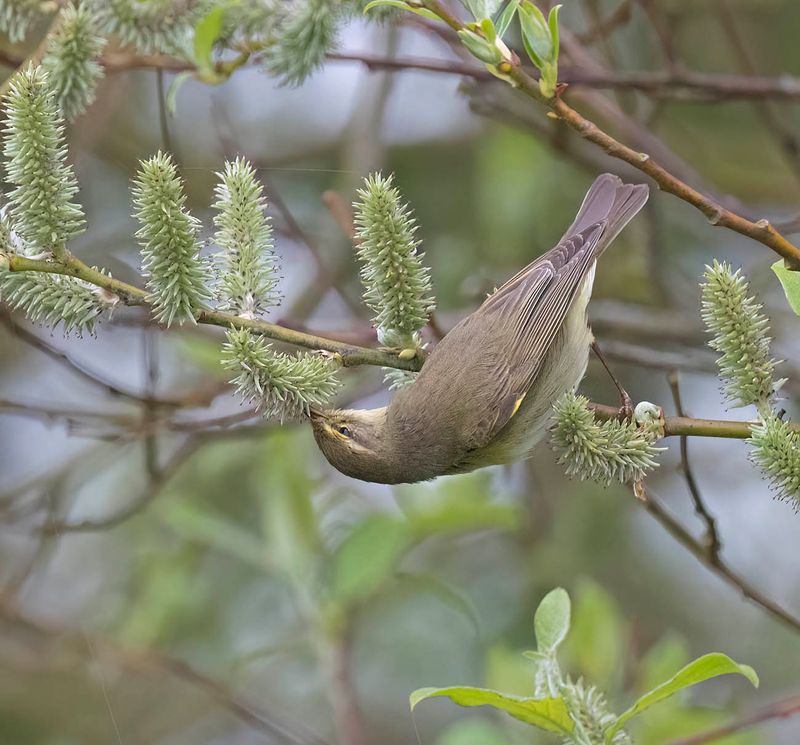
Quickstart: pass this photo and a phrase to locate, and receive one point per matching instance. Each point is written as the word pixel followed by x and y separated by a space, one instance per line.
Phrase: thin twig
pixel 712 539
pixel 780 710
pixel 718 566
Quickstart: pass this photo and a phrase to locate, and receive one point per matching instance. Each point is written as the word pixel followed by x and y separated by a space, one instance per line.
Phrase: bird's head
pixel 355 442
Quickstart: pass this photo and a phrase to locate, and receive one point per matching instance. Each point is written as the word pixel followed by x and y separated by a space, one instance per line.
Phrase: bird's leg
pixel 626 402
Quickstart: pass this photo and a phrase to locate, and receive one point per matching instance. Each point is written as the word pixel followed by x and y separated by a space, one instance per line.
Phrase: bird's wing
pixel 525 314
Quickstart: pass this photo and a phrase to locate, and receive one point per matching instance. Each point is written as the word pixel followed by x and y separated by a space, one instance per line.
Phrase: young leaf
pixel 551 622
pixel 481 9
pixel 552 23
pixel 506 17
pixel 206 33
pixel 791 284
pixel 535 34
pixel 549 714
pixel 705 667
pixel 479 47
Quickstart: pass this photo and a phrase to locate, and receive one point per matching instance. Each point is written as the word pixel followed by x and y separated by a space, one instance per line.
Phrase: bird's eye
pixel 344 431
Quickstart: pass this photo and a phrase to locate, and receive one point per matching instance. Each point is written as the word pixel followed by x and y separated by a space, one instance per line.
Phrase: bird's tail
pixel 611 201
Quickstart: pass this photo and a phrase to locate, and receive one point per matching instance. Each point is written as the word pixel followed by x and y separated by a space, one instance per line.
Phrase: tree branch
pixel 349 355
pixel 712 538
pixel 678 84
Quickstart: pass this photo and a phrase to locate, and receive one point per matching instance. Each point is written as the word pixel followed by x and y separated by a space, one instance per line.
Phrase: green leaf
pixel 489 30
pixel 368 556
pixel 206 33
pixel 506 17
pixel 551 622
pixel 424 12
pixel 481 9
pixel 791 284
pixel 552 22
pixel 705 667
pixel 549 714
pixel 536 35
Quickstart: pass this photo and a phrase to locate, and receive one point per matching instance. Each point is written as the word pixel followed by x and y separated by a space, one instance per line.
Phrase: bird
pixel 484 394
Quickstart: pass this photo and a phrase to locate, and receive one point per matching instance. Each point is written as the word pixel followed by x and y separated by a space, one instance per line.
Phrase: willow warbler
pixel 485 392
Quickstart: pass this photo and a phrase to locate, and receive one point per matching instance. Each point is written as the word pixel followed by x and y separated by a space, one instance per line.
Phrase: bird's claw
pixel 625 413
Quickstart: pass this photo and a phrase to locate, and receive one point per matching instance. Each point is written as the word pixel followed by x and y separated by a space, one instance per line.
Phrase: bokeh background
pixel 192 574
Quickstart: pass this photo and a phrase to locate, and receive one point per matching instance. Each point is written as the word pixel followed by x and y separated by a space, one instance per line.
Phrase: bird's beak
pixel 314 413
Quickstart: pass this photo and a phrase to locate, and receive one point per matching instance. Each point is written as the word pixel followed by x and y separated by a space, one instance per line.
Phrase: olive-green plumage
pixel 485 393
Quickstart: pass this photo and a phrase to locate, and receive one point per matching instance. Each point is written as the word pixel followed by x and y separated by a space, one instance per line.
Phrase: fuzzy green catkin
pixel 53 299
pixel 589 710
pixel 280 385
pixel 151 26
pixel 606 452
pixel 397 284
pixel 71 64
pixel 169 241
pixel 303 38
pixel 775 449
pixel 247 262
pixel 741 333
pixel 17 15
pixel 42 207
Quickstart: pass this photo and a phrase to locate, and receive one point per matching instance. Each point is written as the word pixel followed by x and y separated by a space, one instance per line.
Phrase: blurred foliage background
pixel 189 574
